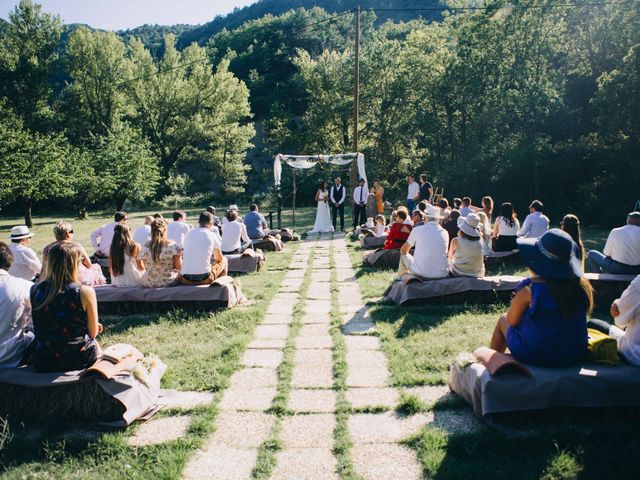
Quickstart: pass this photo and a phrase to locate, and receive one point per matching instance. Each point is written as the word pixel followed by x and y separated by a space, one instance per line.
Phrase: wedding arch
pixel 306 162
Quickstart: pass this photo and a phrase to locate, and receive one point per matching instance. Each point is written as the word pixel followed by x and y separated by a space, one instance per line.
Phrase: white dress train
pixel 323 218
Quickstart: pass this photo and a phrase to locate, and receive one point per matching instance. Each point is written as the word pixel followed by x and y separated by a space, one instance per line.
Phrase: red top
pixel 398 234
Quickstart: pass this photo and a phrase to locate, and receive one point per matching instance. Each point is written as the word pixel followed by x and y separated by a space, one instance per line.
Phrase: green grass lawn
pixel 421 341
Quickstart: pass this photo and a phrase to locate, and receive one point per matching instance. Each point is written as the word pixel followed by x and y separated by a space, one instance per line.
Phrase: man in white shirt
pixel 536 223
pixel 178 229
pixel 26 264
pixel 235 238
pixel 142 234
pixel 237 210
pixel 621 252
pixel 431 242
pixel 102 237
pixel 15 313
pixel 360 195
pixel 202 259
pixel 413 193
pixel 337 195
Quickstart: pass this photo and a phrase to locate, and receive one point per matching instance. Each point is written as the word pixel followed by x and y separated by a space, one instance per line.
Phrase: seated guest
pixel 465 251
pixel 399 231
pixel 467 208
pixel 161 258
pixel 178 229
pixel 158 216
pixel 457 203
pixel 485 231
pixel 235 238
pixel 15 313
pixel 621 252
pixel 65 315
pixel 450 224
pixel 404 209
pixel 417 219
pixel 26 264
pixel 216 220
pixel 487 207
pixel 202 261
pixel 255 223
pixel 142 234
pixel 445 210
pixel 88 274
pixel 101 237
pixel 571 224
pixel 536 223
pixel 430 242
pixel 372 203
pixel 380 228
pixel 546 323
pixel 235 209
pixel 124 262
pixel 626 314
pixel 505 230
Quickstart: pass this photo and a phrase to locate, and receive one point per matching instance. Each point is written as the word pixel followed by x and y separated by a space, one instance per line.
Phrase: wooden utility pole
pixel 356 99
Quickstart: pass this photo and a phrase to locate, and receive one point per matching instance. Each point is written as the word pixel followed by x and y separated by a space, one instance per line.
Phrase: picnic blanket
pixel 223 293
pixel 247 262
pixel 584 385
pixel 371 241
pixel 138 398
pixel 411 288
pixel 382 259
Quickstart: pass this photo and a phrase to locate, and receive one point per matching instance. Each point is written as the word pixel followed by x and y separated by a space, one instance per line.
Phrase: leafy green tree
pixel 28 59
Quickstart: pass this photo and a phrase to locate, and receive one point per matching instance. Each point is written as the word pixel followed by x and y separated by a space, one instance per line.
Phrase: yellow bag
pixel 602 347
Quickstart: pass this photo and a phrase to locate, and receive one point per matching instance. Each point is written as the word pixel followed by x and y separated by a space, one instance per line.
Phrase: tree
pixel 28 58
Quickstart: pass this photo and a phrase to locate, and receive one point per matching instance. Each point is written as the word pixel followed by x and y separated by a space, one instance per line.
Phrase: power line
pixel 497 7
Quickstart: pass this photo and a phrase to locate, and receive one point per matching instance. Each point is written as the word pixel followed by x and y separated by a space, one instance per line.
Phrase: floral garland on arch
pixel 306 162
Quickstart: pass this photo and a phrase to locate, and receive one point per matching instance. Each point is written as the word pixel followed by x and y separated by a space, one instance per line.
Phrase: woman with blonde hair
pixel 89 274
pixel 65 314
pixel 571 224
pixel 160 258
pixel 124 263
pixel 487 207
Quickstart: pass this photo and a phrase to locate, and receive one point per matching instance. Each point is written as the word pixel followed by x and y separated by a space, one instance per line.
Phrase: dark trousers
pixel 599 263
pixel 334 214
pixel 359 214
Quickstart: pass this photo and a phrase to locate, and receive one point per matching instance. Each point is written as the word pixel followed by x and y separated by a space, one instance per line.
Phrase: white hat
pixel 432 212
pixel 470 225
pixel 370 222
pixel 20 232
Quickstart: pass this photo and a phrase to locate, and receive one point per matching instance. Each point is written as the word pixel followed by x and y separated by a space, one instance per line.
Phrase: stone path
pixel 306 431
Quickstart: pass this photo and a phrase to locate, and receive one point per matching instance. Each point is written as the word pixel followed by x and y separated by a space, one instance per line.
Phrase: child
pixel 380 229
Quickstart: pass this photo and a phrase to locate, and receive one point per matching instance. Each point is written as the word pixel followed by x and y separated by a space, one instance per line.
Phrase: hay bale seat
pixel 381 259
pixel 576 386
pixel 369 242
pixel 461 290
pixel 223 293
pixel 70 397
pixel 247 262
pixel 268 244
pixel 495 259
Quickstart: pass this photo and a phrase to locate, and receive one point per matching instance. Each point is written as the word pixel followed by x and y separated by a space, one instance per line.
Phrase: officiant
pixel 360 195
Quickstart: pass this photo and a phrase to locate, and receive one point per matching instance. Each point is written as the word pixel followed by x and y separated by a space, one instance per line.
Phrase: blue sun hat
pixel 552 256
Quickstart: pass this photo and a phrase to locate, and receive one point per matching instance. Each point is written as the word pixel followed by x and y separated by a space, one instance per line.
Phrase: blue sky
pixel 122 14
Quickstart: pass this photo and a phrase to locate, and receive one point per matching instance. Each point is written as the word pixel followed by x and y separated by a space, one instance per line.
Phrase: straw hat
pixel 470 225
pixel 432 212
pixel 20 232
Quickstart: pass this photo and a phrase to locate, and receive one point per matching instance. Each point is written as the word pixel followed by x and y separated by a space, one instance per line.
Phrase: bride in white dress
pixel 323 218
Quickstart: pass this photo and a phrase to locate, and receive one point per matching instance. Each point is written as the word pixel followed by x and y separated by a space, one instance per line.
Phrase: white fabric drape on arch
pixel 309 161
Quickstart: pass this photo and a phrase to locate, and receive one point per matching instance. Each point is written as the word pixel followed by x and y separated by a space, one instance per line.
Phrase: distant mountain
pixel 261 8
pixel 153 35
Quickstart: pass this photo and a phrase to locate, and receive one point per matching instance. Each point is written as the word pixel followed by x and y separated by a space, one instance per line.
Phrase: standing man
pixel 426 189
pixel 413 193
pixel 360 195
pixel 337 195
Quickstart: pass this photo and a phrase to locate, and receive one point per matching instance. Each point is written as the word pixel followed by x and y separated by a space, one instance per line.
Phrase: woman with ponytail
pixel 161 258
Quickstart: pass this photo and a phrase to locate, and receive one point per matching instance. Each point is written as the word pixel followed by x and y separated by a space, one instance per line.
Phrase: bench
pixel 247 262
pixel 223 293
pixel 369 242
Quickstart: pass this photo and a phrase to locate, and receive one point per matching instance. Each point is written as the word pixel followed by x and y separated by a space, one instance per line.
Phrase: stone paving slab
pixel 362 342
pixel 288 298
pixel 186 400
pixel 312 401
pixel 314 330
pixel 308 430
pixel 310 318
pixel 291 283
pixel 160 430
pixel 319 376
pixel 345 275
pixel 385 462
pixel 262 358
pixel 372 397
pixel 268 344
pixel 319 291
pixel 255 399
pixel 353 309
pixel 358 327
pixel 306 343
pixel 388 427
pixel 317 306
pixel 295 274
pixel 271 331
pixel 312 358
pixel 293 288
pixel 277 320
pixel 222 463
pixel 241 429
pixel 367 368
pixel 305 464
pixel 318 276
pixel 280 309
pixel 298 265
pixel 248 378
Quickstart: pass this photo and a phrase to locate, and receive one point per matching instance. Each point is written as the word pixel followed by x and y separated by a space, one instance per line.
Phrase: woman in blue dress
pixel 546 323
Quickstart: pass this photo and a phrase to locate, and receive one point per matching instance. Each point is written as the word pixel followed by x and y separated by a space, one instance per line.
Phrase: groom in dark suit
pixel 337 195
